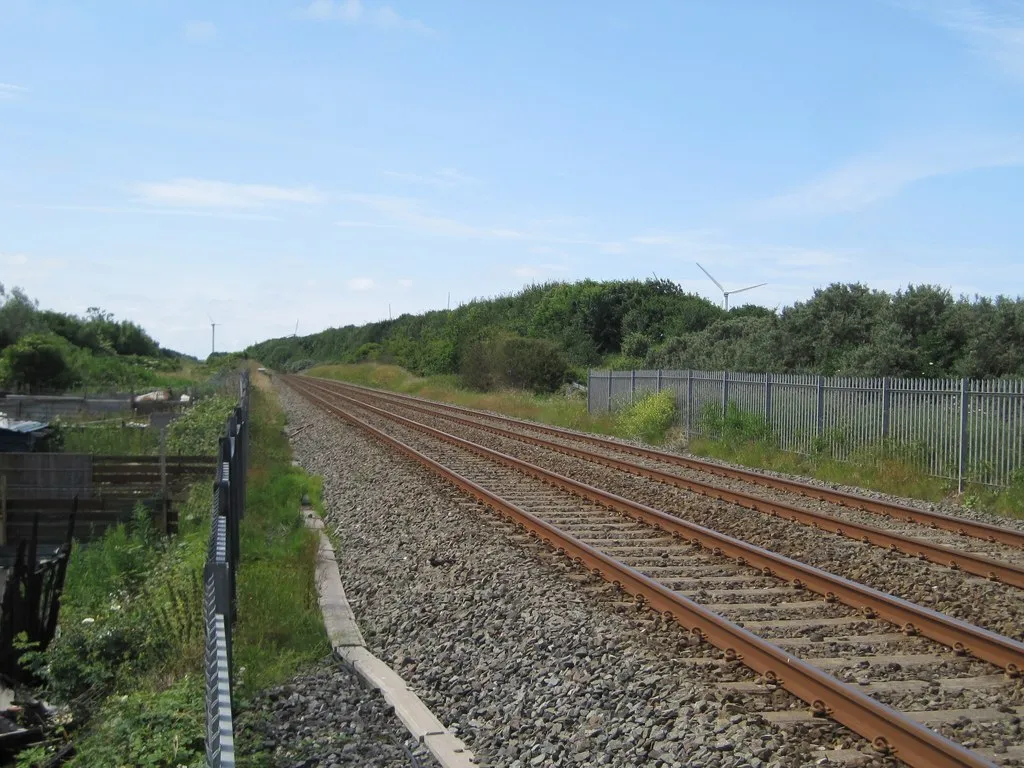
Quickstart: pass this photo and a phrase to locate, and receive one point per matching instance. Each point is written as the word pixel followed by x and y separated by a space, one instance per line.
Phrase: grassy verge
pixel 744 438
pixel 132 623
pixel 549 409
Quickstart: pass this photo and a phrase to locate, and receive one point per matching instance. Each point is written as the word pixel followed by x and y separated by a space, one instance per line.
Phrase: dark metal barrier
pixel 222 560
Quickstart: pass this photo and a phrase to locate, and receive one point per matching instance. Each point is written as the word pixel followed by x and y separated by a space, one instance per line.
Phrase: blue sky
pixel 273 162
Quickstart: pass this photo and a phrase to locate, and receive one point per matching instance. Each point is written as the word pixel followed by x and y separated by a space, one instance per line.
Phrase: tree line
pixel 843 329
pixel 43 350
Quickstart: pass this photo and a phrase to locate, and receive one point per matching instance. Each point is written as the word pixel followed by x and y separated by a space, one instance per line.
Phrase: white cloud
pixel 537 270
pixel 410 214
pixel 148 211
pixel 993 30
pixel 11 91
pixel 221 194
pixel 443 179
pixel 360 284
pixel 13 259
pixel 197 31
pixel 363 225
pixel 868 179
pixel 355 12
pixel 405 283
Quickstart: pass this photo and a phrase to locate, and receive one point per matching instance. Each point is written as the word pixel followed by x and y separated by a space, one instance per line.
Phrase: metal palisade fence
pixel 964 430
pixel 219 580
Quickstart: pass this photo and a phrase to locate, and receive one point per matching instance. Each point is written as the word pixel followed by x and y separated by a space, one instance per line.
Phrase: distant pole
pixel 389 310
pixel 449 300
pixel 213 338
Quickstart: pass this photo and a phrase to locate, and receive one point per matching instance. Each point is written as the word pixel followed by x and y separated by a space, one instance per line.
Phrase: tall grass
pixel 279 624
pixel 898 468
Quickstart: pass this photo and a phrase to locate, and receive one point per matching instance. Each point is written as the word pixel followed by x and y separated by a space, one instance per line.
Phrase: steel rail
pixel 888 730
pixel 986 531
pixel 962 637
pixel 969 562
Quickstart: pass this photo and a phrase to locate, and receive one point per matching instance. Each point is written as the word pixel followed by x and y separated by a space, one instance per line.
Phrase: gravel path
pixel 529 667
pixel 327 718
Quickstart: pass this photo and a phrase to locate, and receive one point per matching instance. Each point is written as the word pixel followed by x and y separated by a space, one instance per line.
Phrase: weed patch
pixel 649 417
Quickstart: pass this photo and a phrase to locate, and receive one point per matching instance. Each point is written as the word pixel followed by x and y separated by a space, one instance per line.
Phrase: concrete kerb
pixel 348 644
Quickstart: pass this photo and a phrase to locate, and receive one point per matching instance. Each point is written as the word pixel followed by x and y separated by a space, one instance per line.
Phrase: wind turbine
pixel 726 293
pixel 296 333
pixel 213 335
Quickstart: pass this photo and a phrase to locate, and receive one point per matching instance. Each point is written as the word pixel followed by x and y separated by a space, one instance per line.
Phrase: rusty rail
pixel 888 730
pixel 903 512
pixel 961 636
pixel 969 562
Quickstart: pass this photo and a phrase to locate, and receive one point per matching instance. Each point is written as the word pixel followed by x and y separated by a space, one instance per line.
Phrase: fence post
pixel 767 398
pixel 725 393
pixel 3 509
pixel 632 385
pixel 164 500
pixel 590 388
pixel 689 402
pixel 659 380
pixel 820 417
pixel 961 460
pixel 886 405
pixel 609 390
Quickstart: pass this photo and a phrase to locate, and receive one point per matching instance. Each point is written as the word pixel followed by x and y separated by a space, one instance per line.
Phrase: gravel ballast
pixel 995 606
pixel 529 667
pixel 328 718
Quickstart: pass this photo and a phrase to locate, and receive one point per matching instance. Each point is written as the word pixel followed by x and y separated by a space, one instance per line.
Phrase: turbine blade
pixel 748 288
pixel 709 275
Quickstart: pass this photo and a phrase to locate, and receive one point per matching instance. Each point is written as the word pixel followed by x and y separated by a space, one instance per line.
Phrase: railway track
pixel 893 654
pixel 992 552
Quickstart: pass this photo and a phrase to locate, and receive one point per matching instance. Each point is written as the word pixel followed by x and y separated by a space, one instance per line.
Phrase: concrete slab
pixel 348 643
pixel 339 620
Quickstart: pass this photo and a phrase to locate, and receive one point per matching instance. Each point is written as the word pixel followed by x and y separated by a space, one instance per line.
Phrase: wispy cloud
pixel 409 213
pixel 355 12
pixel 11 91
pixel 364 225
pixel 360 284
pixel 443 179
pixel 993 29
pixel 205 193
pixel 199 31
pixel 405 283
pixel 870 178
pixel 13 259
pixel 537 270
pixel 147 211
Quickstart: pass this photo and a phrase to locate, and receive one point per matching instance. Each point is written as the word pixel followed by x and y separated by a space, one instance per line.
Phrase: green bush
pixel 37 361
pixel 197 432
pixel 650 417
pixel 735 425
pixel 636 345
pixel 514 361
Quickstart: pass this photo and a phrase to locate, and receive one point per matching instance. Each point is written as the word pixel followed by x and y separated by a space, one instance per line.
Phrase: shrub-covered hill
pixel 46 351
pixel 845 329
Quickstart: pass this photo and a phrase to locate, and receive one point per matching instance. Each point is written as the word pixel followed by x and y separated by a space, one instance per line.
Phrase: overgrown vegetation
pixel 744 438
pixel 42 350
pixel 649 418
pixel 844 329
pixel 131 618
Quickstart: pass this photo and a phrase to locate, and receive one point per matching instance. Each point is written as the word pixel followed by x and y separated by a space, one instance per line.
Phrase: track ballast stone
pixel 327 717
pixel 529 667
